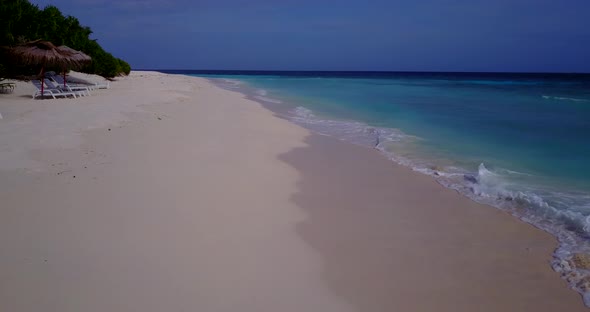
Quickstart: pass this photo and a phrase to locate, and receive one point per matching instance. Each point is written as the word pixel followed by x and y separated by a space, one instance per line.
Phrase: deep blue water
pixel 520 142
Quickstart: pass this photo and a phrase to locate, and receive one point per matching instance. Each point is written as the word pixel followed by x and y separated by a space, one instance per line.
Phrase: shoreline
pixel 570 247
pixel 168 210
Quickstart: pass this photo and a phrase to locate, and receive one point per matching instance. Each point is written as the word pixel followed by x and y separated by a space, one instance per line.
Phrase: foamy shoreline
pixel 168 193
pixel 495 188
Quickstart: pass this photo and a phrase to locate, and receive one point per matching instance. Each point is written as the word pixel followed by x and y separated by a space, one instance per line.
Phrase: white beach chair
pixel 82 90
pixel 89 85
pixel 106 85
pixel 54 93
pixel 60 81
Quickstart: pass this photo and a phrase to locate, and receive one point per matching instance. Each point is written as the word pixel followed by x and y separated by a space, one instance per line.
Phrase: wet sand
pixel 395 240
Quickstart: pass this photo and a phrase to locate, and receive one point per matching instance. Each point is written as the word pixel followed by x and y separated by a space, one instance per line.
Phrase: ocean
pixel 518 142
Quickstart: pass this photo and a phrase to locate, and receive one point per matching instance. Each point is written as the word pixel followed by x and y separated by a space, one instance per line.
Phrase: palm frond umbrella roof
pixel 45 53
pixel 79 57
pixel 40 52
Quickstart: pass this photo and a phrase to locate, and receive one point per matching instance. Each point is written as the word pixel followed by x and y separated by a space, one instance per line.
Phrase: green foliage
pixel 125 67
pixel 21 21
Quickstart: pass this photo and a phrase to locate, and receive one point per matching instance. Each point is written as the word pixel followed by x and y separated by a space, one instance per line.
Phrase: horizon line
pixel 363 71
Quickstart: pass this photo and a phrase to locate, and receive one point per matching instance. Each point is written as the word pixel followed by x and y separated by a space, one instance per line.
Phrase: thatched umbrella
pixel 43 53
pixel 80 58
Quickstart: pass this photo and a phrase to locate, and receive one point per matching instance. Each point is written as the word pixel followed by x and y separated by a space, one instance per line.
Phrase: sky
pixel 371 35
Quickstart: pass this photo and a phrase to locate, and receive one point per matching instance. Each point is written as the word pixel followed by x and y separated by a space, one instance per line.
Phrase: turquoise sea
pixel 519 142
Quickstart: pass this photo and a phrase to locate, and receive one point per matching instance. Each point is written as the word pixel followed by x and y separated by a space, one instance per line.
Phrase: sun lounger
pixel 80 89
pixel 106 85
pixel 54 93
pixel 60 81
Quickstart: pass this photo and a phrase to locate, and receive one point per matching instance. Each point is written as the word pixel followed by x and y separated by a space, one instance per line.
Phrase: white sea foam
pixel 232 81
pixel 267 99
pixel 548 97
pixel 230 84
pixel 303 113
pixel 261 95
pixel 351 131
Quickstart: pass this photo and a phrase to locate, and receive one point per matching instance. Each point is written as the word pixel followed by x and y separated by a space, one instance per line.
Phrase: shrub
pixel 21 21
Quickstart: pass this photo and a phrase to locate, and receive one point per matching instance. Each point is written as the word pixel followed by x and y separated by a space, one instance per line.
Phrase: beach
pixel 168 193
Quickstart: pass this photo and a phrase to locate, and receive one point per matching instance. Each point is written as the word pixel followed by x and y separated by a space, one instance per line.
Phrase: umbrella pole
pixel 42 80
pixel 64 78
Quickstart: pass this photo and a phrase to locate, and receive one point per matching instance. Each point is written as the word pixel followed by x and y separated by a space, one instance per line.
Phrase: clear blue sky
pixel 406 35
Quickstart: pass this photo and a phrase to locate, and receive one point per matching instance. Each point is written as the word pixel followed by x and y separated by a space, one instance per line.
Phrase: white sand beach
pixel 167 193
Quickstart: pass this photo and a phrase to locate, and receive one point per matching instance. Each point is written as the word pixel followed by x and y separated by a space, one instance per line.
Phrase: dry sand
pixel 166 193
